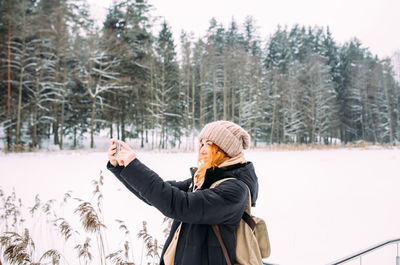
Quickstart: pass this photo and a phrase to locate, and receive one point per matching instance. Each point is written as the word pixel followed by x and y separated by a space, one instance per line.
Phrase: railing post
pixel 360 260
pixel 397 257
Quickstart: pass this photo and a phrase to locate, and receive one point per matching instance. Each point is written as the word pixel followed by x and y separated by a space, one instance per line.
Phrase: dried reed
pixel 84 251
pixel 150 243
pixel 167 230
pixel 65 228
pixel 19 248
pixel 117 258
pixel 127 234
pixel 53 255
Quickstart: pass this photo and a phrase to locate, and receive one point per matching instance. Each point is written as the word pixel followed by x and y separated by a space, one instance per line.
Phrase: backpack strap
pixel 247 212
pixel 215 184
pixel 221 242
pixel 246 217
pixel 249 220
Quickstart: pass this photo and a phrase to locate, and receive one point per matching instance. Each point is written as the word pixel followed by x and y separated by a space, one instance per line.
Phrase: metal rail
pixel 368 250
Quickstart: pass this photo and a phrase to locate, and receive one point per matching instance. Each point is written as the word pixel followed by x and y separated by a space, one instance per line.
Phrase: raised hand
pixel 111 152
pixel 126 155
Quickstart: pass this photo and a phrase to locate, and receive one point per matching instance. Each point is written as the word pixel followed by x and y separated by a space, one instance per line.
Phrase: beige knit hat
pixel 229 136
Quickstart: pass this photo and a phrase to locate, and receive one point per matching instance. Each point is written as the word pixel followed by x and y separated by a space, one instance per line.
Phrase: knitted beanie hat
pixel 229 136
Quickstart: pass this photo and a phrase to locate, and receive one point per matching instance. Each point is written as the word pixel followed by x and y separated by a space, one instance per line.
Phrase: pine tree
pixel 128 38
pixel 6 29
pixel 318 100
pixel 187 83
pixel 294 122
pixel 20 59
pixel 215 72
pixel 276 63
pixel 168 96
pixel 251 106
pixel 97 73
pixel 348 94
pixel 200 63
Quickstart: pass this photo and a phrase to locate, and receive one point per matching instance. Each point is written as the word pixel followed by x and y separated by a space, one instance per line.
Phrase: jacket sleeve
pixel 182 185
pixel 222 205
pixel 117 172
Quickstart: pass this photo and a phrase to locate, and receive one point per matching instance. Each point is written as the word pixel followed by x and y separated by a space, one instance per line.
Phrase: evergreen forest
pixel 64 79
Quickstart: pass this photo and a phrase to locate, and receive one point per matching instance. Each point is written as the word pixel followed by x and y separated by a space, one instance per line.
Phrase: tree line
pixel 63 78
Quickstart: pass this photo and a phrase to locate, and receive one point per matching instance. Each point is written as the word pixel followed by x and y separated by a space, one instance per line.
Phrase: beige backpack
pixel 252 241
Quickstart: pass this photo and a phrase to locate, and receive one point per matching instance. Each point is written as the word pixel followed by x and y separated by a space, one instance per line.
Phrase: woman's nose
pixel 203 150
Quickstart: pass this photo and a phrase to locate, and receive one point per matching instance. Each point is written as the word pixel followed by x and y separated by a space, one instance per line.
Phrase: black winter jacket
pixel 223 205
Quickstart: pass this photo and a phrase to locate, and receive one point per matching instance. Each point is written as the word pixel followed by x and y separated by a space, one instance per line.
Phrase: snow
pixel 319 205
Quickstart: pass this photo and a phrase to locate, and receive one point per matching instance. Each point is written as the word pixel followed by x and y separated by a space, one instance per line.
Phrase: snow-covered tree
pixel 167 93
pixel 98 75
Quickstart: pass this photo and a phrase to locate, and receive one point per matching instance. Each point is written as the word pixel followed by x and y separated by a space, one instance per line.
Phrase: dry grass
pixel 118 258
pixel 167 229
pixel 65 228
pixel 17 248
pixel 84 251
pixel 89 218
pixel 11 216
pixel 17 245
pixel 128 239
pixel 151 244
pixel 51 255
pixel 36 206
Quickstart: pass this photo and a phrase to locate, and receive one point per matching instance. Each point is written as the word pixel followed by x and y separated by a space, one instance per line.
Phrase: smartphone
pixel 118 148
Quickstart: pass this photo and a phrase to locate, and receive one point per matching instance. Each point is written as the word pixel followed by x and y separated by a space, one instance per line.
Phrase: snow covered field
pixel 319 205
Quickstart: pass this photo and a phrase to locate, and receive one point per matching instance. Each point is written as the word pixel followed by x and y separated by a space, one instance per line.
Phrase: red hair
pixel 215 158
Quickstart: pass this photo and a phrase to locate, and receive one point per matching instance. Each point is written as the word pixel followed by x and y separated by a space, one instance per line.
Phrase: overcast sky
pixel 375 22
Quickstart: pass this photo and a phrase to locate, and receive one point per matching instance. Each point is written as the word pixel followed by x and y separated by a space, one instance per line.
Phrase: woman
pixel 191 203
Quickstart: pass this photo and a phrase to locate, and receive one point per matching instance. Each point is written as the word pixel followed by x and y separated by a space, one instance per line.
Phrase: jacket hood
pixel 244 172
